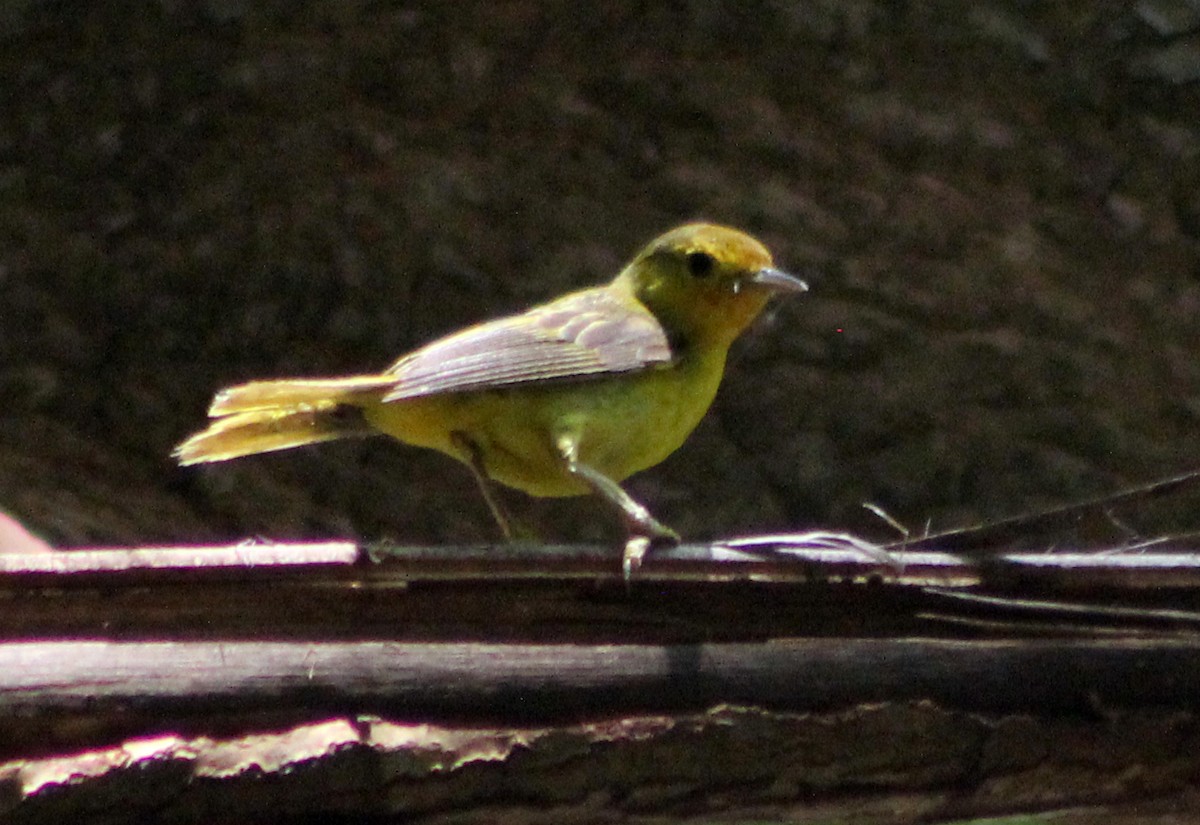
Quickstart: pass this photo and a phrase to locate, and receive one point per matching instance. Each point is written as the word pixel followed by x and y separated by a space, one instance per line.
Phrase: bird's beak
pixel 777 280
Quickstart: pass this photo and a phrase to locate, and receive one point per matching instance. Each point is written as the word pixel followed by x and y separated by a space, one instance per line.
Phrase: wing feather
pixel 585 334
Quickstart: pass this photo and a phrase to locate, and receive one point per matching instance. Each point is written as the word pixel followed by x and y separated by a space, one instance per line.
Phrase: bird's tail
pixel 264 416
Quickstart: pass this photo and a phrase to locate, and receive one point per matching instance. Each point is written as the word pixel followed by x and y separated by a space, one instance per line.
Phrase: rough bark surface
pixel 873 764
pixel 277 683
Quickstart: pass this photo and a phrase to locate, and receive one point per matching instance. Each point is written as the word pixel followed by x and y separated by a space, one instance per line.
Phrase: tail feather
pixel 294 393
pixel 265 416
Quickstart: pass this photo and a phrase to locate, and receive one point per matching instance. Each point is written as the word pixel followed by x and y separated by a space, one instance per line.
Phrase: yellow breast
pixel 622 424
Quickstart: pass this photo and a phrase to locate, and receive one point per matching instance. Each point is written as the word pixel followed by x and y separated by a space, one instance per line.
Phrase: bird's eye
pixel 700 264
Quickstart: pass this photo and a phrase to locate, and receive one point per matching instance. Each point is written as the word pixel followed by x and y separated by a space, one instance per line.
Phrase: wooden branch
pixel 547 682
pixel 778 586
pixel 783 557
pixel 265 657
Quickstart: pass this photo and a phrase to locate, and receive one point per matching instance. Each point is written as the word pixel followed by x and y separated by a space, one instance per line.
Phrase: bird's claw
pixel 650 533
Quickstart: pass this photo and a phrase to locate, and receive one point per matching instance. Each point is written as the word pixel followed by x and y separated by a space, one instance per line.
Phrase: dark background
pixel 997 203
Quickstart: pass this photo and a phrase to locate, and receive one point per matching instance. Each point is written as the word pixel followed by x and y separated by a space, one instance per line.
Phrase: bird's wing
pixel 585 334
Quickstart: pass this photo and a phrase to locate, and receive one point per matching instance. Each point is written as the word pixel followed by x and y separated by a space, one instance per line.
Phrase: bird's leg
pixel 475 461
pixel 645 530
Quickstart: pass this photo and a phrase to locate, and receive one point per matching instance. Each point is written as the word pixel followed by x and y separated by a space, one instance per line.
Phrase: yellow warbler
pixel 567 398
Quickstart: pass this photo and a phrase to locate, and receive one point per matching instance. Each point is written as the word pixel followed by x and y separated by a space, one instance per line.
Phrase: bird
pixel 570 397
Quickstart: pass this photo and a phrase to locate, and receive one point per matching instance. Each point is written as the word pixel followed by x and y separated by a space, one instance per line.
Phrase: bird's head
pixel 706 282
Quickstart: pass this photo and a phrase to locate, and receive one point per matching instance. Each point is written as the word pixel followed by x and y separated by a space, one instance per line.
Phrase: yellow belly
pixel 622 424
